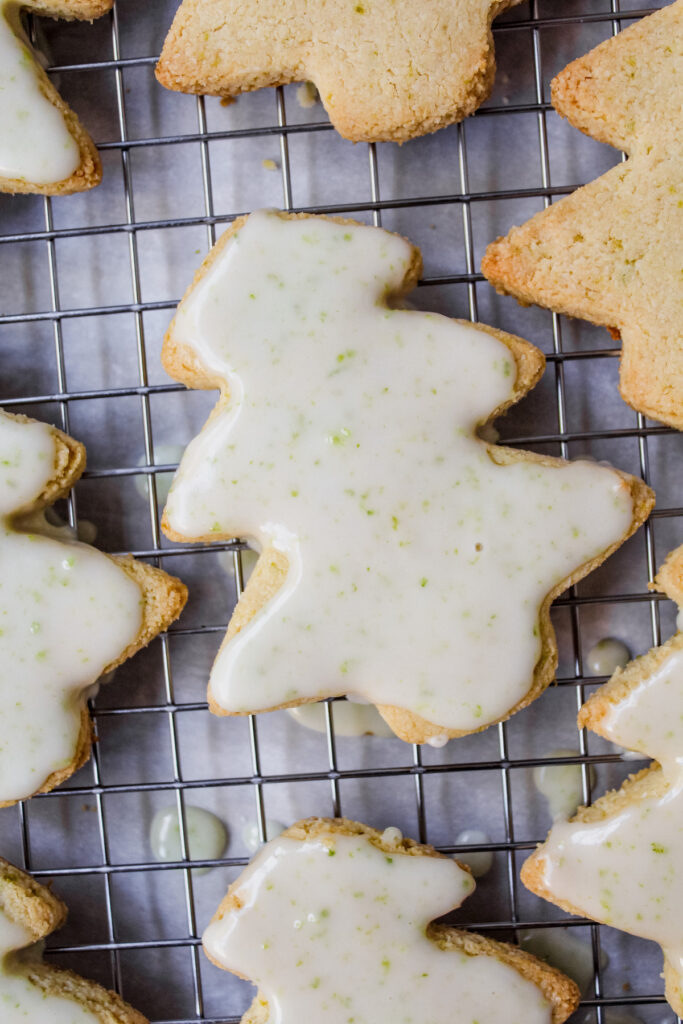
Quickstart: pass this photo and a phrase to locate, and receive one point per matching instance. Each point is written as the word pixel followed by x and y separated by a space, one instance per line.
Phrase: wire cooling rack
pixel 87 285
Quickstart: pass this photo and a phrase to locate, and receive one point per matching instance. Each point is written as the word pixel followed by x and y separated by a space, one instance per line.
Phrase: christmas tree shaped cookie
pixel 402 559
pixel 332 921
pixel 384 71
pixel 612 252
pixel 44 148
pixel 31 992
pixel 620 861
pixel 68 613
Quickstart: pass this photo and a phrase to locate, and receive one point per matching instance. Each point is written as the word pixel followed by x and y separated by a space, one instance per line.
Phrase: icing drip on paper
pixel 205 834
pixel 251 836
pixel 606 656
pixel 350 719
pixel 562 784
pixel 479 862
pixel 560 948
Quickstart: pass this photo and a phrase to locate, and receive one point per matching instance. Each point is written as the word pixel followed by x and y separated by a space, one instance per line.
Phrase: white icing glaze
pixel 252 837
pixel 627 869
pixel 561 948
pixel 417 564
pixel 205 834
pixel 66 612
pixel 606 656
pixel 35 143
pixel 334 930
pixel 479 862
pixel 562 784
pixel 21 1002
pixel 440 740
pixel 392 836
pixel 350 719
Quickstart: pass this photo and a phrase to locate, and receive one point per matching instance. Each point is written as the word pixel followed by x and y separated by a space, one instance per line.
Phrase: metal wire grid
pixel 171 708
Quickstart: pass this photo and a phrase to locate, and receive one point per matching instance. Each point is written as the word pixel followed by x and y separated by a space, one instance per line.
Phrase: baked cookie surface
pixel 44 148
pixel 612 252
pixel 31 992
pixel 620 861
pixel 332 921
pixel 402 559
pixel 68 613
pixel 384 71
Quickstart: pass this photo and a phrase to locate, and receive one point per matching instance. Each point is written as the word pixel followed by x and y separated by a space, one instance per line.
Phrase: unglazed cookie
pixel 68 613
pixel 332 921
pixel 44 148
pixel 384 71
pixel 31 992
pixel 620 861
pixel 403 560
pixel 612 252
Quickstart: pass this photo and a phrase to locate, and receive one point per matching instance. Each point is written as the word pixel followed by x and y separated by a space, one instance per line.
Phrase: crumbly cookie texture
pixel 384 71
pixel 352 907
pixel 612 252
pixel 88 171
pixel 31 990
pixel 402 558
pixel 64 604
pixel 619 860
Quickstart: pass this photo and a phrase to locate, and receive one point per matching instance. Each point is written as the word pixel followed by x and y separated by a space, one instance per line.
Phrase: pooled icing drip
pixel 479 862
pixel 66 612
pixel 334 930
pixel 164 455
pixel 607 656
pixel 22 1002
pixel 35 143
pixel 49 524
pixel 627 869
pixel 205 834
pixel 252 837
pixel 350 719
pixel 562 784
pixel 417 564
pixel 560 948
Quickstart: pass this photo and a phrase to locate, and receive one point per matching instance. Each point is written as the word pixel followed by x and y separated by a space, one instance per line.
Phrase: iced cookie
pixel 621 861
pixel 332 921
pixel 384 71
pixel 68 613
pixel 31 992
pixel 44 148
pixel 612 252
pixel 403 559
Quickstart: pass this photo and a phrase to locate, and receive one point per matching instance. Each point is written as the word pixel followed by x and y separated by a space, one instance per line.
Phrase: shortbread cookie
pixel 612 252
pixel 32 992
pixel 68 614
pixel 621 860
pixel 384 71
pixel 44 148
pixel 403 559
pixel 333 921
